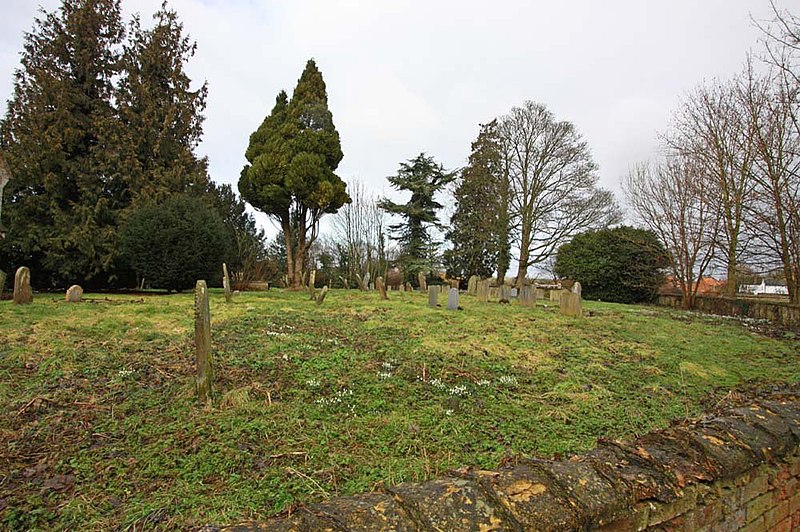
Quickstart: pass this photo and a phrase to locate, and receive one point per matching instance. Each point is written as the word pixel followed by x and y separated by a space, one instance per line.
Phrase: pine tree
pixel 476 227
pixel 293 156
pixel 162 115
pixel 62 206
pixel 423 177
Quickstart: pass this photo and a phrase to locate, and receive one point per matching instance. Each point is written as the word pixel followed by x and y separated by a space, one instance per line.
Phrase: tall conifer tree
pixel 62 205
pixel 292 158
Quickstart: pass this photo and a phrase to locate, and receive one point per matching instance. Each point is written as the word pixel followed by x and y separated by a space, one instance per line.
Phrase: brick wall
pixel 737 469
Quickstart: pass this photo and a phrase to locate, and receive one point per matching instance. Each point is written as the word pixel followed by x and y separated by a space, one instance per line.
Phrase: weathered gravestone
pixel 571 304
pixel 423 283
pixel 202 342
pixel 433 296
pixel 555 296
pixel 22 286
pixel 452 299
pixel 322 294
pixel 527 296
pixel 483 291
pixel 2 282
pixel 74 294
pixel 382 287
pixel 540 293
pixel 577 288
pixel 505 294
pixel 494 293
pixel 472 285
pixel 226 283
pixel 409 287
pixel 366 281
pixel 312 285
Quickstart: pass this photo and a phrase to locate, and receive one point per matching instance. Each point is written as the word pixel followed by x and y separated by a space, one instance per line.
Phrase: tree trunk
pixel 287 236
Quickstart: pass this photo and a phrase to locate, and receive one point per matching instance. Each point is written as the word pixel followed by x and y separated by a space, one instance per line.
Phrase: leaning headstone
pixel 571 304
pixel 577 289
pixel 22 286
pixel 382 287
pixel 423 283
pixel 433 296
pixel 322 294
pixel 74 294
pixel 202 342
pixel 483 291
pixel 226 283
pixel 452 299
pixel 472 285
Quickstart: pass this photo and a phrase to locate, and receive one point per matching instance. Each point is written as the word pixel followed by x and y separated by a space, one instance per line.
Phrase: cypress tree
pixel 292 158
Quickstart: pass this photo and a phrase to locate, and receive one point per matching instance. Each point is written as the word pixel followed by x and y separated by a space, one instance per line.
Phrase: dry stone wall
pixel 736 470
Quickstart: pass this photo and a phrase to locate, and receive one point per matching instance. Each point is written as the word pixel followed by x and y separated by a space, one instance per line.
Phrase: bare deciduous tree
pixel 552 180
pixel 712 130
pixel 672 198
pixel 360 229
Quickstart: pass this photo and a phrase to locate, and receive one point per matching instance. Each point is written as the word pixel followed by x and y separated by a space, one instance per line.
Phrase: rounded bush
pixel 173 244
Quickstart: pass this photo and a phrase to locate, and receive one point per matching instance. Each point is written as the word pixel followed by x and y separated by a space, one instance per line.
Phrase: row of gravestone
pixel 23 294
pixel 570 301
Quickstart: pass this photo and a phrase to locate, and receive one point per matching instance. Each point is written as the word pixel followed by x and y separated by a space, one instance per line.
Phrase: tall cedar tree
pixel 162 115
pixel 423 177
pixel 63 205
pixel 477 230
pixel 293 156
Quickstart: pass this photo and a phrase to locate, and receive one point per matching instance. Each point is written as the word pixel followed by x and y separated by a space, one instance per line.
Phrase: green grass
pixel 100 429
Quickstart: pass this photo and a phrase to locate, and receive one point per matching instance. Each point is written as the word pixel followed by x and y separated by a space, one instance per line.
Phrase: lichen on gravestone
pixel 202 341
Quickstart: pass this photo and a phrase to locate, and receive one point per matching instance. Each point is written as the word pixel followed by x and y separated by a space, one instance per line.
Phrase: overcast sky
pixel 411 76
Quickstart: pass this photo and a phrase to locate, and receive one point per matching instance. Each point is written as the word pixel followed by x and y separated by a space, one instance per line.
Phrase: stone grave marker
pixel 2 282
pixel 571 304
pixel 322 294
pixel 483 291
pixel 472 285
pixel 526 296
pixel 22 286
pixel 577 288
pixel 452 299
pixel 409 287
pixel 433 296
pixel 382 287
pixel 226 283
pixel 555 296
pixel 202 342
pixel 366 280
pixel 505 294
pixel 74 294
pixel 312 285
pixel 423 283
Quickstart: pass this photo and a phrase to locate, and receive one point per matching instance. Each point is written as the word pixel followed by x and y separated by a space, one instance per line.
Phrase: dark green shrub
pixel 623 264
pixel 173 244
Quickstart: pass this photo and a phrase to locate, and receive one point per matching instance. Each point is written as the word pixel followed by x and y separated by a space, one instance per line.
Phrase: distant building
pixel 767 286
pixel 705 286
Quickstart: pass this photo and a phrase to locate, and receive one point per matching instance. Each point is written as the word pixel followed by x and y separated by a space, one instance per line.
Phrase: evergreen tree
pixel 162 115
pixel 423 177
pixel 63 205
pixel 624 264
pixel 292 158
pixel 476 227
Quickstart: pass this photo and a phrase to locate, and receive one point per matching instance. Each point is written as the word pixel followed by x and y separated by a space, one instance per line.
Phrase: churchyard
pixel 102 429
